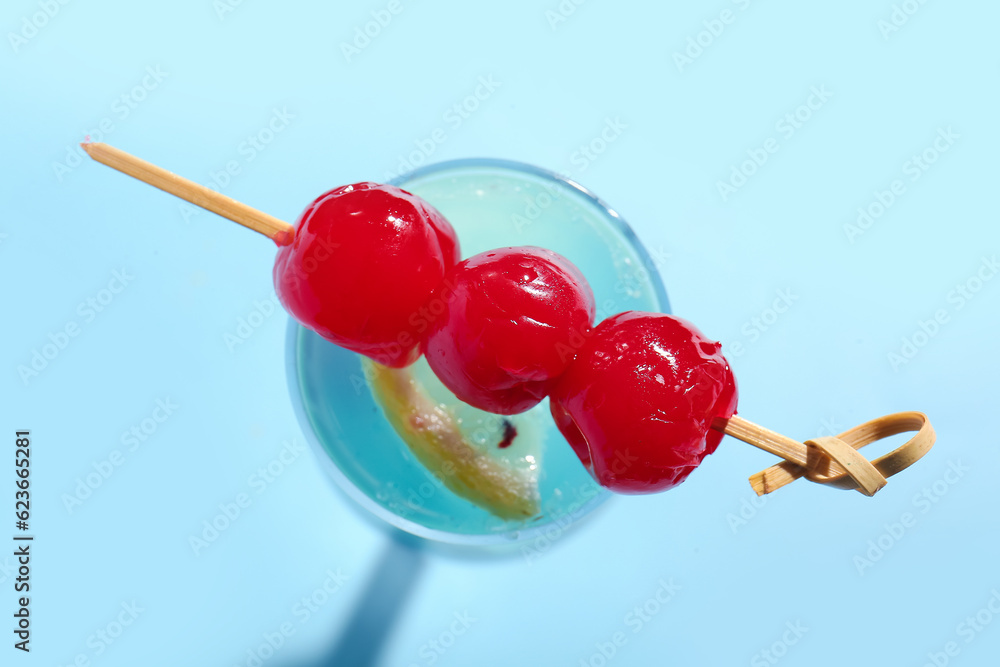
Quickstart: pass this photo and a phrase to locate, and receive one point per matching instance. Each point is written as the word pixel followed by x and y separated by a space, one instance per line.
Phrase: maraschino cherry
pixel 507 319
pixel 638 402
pixel 363 260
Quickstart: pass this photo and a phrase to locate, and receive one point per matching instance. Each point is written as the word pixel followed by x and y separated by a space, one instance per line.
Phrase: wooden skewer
pixel 277 230
pixel 888 465
pixel 766 439
pixel 835 460
pixel 827 460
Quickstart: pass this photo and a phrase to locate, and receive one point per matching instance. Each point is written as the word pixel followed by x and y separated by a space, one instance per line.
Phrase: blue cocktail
pixel 490 203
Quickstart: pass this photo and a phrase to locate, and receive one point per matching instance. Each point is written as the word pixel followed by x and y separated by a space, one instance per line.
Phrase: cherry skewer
pixel 827 460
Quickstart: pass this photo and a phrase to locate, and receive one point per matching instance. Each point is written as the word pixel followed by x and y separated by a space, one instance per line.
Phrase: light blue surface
pixel 548 88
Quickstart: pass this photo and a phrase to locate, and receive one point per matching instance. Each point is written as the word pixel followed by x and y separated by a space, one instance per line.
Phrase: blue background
pixel 746 573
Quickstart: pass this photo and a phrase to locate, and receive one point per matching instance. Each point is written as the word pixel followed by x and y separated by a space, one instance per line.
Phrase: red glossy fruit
pixel 365 258
pixel 638 401
pixel 502 326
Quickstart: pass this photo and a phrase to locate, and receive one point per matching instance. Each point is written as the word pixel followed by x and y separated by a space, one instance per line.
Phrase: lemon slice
pixel 489 460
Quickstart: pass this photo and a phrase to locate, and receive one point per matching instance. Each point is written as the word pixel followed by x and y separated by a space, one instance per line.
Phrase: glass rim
pixel 656 280
pixel 343 482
